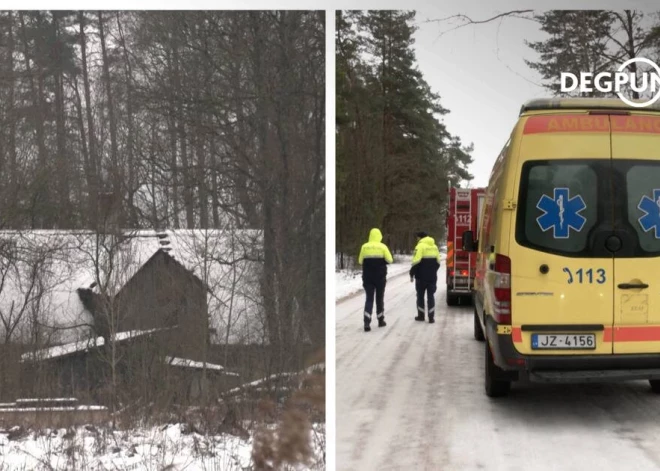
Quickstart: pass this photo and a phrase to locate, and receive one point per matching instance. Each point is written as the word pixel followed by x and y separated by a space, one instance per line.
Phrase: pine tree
pixel 592 41
pixel 394 156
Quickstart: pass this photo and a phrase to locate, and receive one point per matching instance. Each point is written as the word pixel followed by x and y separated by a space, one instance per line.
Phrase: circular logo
pixel 657 93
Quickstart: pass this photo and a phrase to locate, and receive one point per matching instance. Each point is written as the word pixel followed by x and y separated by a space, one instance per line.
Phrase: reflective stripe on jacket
pixel 374 257
pixel 426 260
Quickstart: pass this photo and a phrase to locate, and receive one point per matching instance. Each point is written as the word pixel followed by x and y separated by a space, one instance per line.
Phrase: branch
pixel 466 20
pixel 497 51
pixel 65 327
pixel 618 43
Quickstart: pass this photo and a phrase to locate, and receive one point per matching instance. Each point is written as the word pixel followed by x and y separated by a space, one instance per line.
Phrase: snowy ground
pixel 349 282
pixel 411 396
pixel 155 448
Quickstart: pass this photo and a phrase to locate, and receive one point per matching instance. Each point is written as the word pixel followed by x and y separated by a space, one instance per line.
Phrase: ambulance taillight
pixel 502 289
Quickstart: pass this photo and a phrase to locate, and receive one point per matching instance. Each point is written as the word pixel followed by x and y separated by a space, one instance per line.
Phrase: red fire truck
pixel 463 213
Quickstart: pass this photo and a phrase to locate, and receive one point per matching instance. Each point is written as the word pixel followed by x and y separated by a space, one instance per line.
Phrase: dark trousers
pixel 377 289
pixel 429 288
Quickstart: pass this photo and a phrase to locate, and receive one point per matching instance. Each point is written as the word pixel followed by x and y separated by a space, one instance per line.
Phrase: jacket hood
pixel 428 240
pixel 375 235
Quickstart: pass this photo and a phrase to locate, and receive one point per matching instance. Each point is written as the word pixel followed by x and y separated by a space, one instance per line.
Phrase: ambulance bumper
pixel 570 368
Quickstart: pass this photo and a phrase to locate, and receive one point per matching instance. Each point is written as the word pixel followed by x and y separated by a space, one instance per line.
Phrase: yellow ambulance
pixel 567 287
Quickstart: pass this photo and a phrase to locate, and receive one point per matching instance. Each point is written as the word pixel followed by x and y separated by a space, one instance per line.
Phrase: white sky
pixel 480 74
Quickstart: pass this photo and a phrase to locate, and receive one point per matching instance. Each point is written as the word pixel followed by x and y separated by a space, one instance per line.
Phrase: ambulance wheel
pixel 452 300
pixel 494 387
pixel 478 331
pixel 655 385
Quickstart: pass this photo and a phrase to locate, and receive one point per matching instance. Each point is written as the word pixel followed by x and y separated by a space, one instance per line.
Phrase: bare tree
pixel 191 120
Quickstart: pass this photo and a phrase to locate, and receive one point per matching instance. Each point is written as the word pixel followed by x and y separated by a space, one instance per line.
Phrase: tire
pixel 655 385
pixel 478 331
pixel 494 387
pixel 466 300
pixel 452 300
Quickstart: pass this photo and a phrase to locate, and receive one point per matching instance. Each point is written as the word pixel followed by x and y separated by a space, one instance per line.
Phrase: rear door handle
pixel 633 285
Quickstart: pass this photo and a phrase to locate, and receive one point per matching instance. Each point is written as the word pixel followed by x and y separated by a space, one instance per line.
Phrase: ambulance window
pixel 643 189
pixel 557 206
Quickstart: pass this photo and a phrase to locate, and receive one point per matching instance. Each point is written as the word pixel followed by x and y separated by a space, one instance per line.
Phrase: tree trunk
pixel 92 172
pixel 83 140
pixel 130 138
pixel 183 143
pixel 64 210
pixel 11 116
pixel 41 216
pixel 214 184
pixel 268 197
pixel 629 27
pixel 171 128
pixel 201 170
pixel 152 160
pixel 114 153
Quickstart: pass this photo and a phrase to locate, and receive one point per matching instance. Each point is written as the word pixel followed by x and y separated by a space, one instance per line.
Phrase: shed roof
pixel 41 271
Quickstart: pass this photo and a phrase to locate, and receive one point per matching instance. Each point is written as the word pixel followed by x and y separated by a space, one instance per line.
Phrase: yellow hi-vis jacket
pixel 374 257
pixel 426 260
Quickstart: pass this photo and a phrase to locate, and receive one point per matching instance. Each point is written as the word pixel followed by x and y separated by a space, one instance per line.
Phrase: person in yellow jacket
pixel 424 270
pixel 374 258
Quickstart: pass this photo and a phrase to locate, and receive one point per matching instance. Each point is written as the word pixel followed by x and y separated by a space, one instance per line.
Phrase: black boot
pixel 367 321
pixel 381 321
pixel 367 328
pixel 420 318
pixel 431 320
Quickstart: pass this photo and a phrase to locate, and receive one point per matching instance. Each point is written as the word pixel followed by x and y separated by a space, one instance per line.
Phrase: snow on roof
pixel 224 261
pixel 47 399
pixel 83 345
pixel 259 382
pixel 315 368
pixel 277 376
pixel 63 350
pixel 41 270
pixel 119 336
pixel 54 409
pixel 183 362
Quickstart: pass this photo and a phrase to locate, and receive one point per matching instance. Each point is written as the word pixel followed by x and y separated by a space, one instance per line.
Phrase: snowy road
pixel 410 396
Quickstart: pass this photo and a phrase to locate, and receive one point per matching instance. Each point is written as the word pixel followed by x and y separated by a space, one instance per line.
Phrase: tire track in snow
pixel 398 385
pixel 351 326
pixel 410 396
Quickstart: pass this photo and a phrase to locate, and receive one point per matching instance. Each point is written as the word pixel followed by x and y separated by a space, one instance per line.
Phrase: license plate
pixel 563 341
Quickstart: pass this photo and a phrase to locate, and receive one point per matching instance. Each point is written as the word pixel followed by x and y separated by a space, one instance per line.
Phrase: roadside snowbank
pixel 349 282
pixel 168 447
